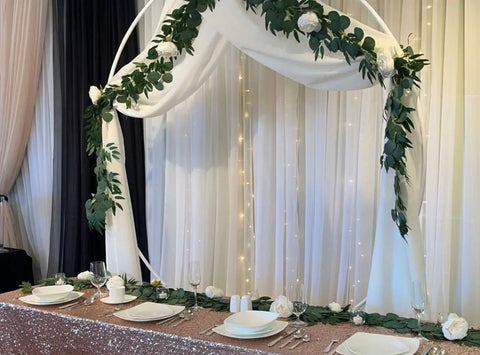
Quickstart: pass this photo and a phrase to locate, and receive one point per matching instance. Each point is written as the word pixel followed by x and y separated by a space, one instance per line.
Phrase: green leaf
pixel 344 22
pixel 107 116
pixel 368 44
pixel 153 77
pixel 313 43
pixel 358 33
pixel 167 77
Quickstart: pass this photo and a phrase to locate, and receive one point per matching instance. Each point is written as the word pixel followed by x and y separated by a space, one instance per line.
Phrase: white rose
pixel 213 292
pixel 308 22
pixel 385 63
pixel 115 281
pixel 455 327
pixel 167 49
pixel 335 307
pixel 358 320
pixel 282 306
pixel 94 94
pixel 86 275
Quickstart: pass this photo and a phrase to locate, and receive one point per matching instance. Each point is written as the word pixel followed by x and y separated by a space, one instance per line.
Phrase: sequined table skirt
pixel 27 329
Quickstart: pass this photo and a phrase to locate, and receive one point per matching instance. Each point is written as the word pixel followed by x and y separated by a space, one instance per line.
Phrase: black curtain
pixel 88 34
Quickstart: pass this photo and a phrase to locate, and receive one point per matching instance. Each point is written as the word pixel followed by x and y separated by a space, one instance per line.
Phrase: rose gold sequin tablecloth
pixel 27 329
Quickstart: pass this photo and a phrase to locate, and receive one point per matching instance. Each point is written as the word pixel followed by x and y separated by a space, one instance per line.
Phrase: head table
pixel 91 329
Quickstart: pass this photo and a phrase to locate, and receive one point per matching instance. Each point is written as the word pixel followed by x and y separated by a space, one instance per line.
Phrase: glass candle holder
pixel 358 317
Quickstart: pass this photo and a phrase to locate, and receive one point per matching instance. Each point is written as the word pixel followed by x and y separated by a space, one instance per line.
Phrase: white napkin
pixel 374 344
pixel 115 281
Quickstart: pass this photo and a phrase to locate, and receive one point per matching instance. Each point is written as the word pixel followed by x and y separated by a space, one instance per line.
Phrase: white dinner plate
pixel 149 311
pixel 372 344
pixel 126 299
pixel 275 328
pixel 31 299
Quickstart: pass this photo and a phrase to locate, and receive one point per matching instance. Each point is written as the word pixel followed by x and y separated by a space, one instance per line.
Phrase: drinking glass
pixel 194 278
pixel 99 276
pixel 297 295
pixel 418 301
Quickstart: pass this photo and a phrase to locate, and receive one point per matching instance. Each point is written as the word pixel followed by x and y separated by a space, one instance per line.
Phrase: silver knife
pixel 68 305
pixel 273 342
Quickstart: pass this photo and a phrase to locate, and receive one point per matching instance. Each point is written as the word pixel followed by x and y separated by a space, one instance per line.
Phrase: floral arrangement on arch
pixel 324 31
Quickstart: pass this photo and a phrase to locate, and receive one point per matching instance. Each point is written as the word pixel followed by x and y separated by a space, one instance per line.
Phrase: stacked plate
pixel 251 325
pixel 373 344
pixel 50 295
pixel 149 311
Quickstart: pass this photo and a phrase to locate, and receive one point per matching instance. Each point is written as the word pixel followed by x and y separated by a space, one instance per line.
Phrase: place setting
pixel 255 324
pixel 51 295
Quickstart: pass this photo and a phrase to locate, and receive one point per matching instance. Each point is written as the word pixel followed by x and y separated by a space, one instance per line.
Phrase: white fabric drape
pixel 22 31
pixel 337 177
pixel 31 197
pixel 281 203
pixel 451 200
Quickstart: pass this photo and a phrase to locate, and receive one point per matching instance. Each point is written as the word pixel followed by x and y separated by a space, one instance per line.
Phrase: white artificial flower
pixel 156 282
pixel 455 327
pixel 358 320
pixel 94 94
pixel 115 281
pixel 335 307
pixel 167 49
pixel 282 306
pixel 308 22
pixel 213 292
pixel 85 275
pixel 385 64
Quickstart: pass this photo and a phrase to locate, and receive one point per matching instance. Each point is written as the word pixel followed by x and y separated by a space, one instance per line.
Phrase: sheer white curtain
pixel 316 176
pixel 314 201
pixel 22 32
pixel 31 196
pixel 451 200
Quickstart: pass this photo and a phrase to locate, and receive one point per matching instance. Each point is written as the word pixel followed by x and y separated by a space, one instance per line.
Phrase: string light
pixel 245 148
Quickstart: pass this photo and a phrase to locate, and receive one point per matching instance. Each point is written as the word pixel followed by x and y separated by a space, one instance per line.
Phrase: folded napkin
pixel 115 281
pixel 374 344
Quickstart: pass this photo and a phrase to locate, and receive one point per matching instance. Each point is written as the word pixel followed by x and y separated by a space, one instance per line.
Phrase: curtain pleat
pixel 90 33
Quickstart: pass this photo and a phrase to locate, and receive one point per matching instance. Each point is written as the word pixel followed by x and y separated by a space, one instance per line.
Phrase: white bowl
pixel 250 322
pixel 52 293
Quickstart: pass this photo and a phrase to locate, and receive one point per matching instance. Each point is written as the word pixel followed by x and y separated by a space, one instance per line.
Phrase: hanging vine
pixel 324 31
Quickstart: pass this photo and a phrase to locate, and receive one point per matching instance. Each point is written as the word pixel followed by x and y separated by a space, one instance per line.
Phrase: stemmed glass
pixel 99 276
pixel 194 278
pixel 418 301
pixel 297 295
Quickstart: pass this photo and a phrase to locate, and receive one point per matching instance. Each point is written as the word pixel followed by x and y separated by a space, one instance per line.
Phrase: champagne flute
pixel 194 278
pixel 99 276
pixel 297 295
pixel 418 301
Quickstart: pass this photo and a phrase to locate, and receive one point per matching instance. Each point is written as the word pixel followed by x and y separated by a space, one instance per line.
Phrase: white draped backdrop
pixel 310 158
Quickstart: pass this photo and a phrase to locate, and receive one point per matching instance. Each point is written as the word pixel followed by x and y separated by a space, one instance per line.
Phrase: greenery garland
pixel 313 314
pixel 281 16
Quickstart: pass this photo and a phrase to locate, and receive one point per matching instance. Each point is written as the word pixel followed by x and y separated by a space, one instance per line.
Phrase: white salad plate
pixel 149 311
pixel 373 344
pixel 52 293
pixel 275 328
pixel 31 299
pixel 126 299
pixel 249 322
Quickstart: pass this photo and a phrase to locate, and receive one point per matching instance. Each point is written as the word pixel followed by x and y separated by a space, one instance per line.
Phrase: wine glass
pixel 297 295
pixel 418 301
pixel 99 276
pixel 194 278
